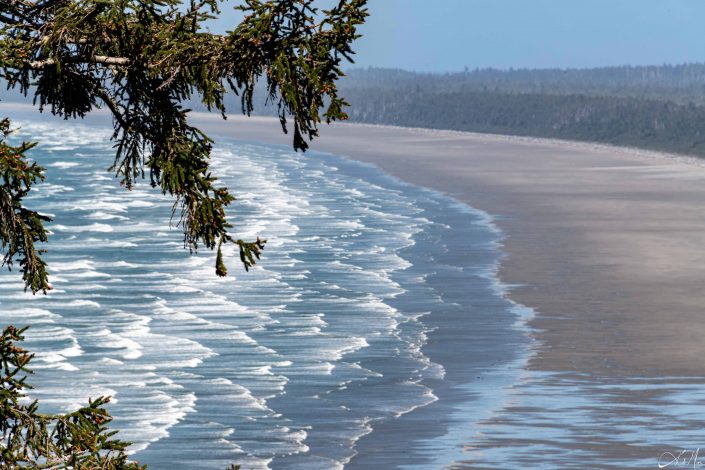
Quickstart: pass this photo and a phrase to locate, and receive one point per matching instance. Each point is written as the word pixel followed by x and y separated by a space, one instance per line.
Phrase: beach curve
pixel 605 242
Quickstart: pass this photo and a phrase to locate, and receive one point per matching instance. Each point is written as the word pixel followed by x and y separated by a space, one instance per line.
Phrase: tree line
pixel 652 107
pixel 634 122
pixel 682 83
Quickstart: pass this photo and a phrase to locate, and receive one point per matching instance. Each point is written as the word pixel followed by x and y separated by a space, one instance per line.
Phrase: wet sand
pixel 607 244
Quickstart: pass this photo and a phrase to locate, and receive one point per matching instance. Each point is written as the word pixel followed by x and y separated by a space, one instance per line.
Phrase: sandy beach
pixel 607 244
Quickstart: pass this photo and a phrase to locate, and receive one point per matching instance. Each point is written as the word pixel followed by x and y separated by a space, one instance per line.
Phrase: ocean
pixel 373 333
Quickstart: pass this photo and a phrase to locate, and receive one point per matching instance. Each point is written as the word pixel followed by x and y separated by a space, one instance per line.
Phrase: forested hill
pixel 659 108
pixel 679 83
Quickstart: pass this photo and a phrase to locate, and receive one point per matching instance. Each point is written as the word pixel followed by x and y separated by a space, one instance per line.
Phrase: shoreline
pixel 606 243
pixel 603 242
pixel 635 152
pixel 607 246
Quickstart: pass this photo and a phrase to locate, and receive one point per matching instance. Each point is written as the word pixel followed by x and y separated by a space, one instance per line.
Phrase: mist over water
pixel 373 332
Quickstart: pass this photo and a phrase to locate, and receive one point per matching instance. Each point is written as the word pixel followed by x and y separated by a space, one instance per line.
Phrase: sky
pixel 449 35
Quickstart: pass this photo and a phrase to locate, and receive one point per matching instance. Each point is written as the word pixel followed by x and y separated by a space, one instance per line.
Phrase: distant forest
pixel 650 107
pixel 621 106
pixel 656 107
pixel 682 84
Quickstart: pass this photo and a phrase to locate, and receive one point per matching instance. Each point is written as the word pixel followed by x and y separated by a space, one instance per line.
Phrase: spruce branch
pixel 143 59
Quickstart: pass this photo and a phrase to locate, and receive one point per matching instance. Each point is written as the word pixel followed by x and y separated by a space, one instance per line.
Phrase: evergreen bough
pixel 141 60
pixel 32 440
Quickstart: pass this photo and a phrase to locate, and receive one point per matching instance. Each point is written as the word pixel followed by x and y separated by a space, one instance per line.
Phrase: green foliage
pixel 511 102
pixel 142 59
pixel 20 228
pixel 32 440
pixel 681 84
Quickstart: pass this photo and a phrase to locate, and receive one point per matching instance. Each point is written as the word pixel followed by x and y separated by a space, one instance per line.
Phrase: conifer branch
pixel 144 58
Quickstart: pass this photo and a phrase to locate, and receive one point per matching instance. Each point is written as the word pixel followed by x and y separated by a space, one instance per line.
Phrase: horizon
pixel 518 69
pixel 503 34
pixel 545 34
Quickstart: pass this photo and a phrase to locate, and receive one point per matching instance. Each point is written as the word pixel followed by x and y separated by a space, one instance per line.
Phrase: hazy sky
pixel 450 34
pixel 447 35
